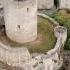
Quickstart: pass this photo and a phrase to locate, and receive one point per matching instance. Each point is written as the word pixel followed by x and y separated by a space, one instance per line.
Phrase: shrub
pixel 63 17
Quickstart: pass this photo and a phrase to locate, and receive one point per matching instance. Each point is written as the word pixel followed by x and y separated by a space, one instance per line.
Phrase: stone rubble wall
pixel 13 56
pixel 49 4
pixel 23 28
pixel 47 61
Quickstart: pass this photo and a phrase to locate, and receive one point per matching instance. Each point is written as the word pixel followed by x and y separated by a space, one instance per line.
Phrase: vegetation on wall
pixel 63 17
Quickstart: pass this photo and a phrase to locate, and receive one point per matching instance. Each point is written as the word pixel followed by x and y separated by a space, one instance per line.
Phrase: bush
pixel 63 17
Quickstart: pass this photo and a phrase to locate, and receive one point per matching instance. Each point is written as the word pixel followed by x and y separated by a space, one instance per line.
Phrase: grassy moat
pixel 44 42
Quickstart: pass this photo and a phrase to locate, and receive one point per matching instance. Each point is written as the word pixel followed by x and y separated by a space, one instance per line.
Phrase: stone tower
pixel 21 20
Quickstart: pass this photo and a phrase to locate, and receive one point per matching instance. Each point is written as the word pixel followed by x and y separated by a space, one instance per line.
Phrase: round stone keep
pixel 20 20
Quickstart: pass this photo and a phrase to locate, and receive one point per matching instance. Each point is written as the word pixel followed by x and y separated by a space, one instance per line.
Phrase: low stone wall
pixel 51 60
pixel 13 56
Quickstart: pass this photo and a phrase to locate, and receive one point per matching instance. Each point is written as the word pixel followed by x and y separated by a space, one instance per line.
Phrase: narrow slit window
pixel 27 9
pixel 19 26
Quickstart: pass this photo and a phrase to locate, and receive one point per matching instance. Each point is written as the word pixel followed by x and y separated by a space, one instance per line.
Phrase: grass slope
pixel 44 42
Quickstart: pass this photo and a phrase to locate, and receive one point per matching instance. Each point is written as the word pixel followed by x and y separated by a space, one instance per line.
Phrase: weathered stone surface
pixel 48 63
pixel 66 64
pixel 45 4
pixel 21 57
pixel 14 56
pixel 61 32
pixel 20 20
pixel 64 4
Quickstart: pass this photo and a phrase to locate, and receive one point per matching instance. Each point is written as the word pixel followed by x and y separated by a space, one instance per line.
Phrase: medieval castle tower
pixel 49 4
pixel 21 19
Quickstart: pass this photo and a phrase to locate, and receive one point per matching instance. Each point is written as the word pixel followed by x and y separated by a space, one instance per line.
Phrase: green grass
pixel 45 29
pixel 45 40
pixel 63 17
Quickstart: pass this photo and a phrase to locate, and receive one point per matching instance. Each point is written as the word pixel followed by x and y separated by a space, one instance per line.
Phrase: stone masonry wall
pixel 64 4
pixel 48 61
pixel 20 20
pixel 45 4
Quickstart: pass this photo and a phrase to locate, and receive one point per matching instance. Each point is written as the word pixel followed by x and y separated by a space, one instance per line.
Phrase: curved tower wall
pixel 45 4
pixel 21 20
